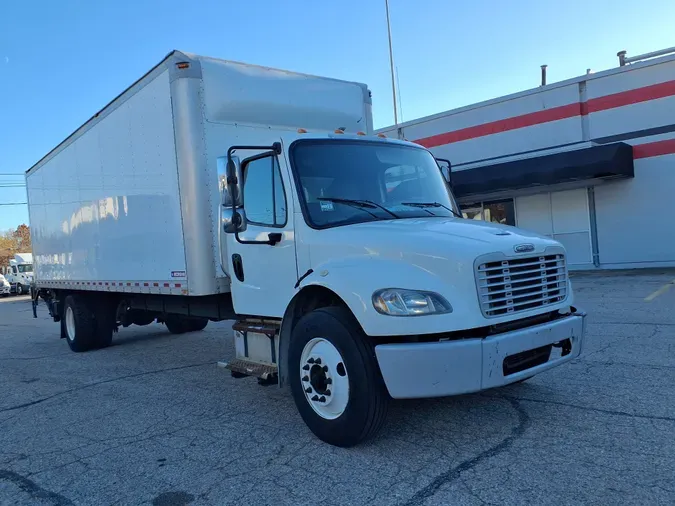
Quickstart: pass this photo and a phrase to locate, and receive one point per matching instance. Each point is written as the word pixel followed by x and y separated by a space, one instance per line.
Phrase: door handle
pixel 274 238
pixel 238 267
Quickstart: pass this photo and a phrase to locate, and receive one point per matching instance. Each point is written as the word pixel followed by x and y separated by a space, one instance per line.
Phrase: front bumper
pixel 413 370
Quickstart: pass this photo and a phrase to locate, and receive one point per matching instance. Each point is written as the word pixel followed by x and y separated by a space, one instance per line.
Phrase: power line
pixel 13 203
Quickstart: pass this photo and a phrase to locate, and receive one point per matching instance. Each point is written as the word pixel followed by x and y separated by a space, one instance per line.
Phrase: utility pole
pixel 391 64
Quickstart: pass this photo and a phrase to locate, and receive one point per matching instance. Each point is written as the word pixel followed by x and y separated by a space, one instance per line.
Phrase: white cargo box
pixel 130 201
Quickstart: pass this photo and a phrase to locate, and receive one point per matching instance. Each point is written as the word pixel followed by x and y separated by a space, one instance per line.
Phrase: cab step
pixel 266 373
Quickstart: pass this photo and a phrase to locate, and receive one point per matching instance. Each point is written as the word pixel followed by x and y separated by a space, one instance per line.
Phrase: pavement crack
pixel 102 382
pixel 585 408
pixel 33 489
pixel 454 473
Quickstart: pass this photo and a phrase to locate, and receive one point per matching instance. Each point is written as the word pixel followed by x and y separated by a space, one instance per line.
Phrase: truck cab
pixel 357 245
pixel 19 273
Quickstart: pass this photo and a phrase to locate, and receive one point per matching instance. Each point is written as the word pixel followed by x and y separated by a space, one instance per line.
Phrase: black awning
pixel 596 162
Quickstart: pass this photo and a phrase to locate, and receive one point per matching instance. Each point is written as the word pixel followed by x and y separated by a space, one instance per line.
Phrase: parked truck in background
pixel 214 190
pixel 19 273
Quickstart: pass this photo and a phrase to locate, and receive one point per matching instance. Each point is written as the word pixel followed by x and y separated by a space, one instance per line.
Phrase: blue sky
pixel 61 61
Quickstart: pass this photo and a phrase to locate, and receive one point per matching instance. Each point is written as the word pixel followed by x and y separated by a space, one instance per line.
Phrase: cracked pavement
pixel 152 420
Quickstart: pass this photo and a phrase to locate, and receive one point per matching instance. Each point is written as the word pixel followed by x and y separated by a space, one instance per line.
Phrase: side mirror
pixel 446 169
pixel 230 196
pixel 232 214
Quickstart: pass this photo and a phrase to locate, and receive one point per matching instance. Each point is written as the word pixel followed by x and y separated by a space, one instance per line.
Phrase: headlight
pixel 399 302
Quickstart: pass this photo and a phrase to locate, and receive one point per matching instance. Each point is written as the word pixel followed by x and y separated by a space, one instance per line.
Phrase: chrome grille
pixel 520 284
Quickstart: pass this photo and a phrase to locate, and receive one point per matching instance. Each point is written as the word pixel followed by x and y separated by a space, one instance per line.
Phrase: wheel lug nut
pixel 315 398
pixel 329 381
pixel 317 361
pixel 305 368
pixel 310 360
pixel 305 378
pixel 308 390
pixel 325 368
pixel 327 392
pixel 322 399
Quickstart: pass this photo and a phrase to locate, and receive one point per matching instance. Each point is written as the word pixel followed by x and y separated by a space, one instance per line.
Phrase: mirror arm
pixel 275 148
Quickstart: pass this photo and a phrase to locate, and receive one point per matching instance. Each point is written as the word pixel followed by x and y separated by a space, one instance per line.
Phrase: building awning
pixel 595 162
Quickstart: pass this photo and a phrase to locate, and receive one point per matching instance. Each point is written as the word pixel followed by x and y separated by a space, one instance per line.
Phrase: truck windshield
pixel 25 268
pixel 346 181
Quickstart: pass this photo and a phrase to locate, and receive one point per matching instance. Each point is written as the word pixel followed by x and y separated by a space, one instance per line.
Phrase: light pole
pixel 391 63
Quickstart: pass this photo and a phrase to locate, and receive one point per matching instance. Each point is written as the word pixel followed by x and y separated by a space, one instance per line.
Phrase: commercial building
pixel 589 161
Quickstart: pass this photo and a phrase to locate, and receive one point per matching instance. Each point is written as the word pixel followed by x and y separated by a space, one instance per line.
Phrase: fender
pixel 353 281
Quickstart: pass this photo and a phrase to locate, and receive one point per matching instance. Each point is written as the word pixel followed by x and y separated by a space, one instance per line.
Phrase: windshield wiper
pixel 361 204
pixel 431 204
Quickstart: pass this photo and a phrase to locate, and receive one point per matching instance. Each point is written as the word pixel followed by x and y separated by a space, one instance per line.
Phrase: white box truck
pixel 19 273
pixel 214 190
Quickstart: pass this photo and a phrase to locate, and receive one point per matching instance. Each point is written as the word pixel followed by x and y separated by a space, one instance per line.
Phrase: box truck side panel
pixel 105 208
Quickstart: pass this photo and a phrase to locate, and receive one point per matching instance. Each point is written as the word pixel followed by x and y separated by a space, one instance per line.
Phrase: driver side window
pixel 264 196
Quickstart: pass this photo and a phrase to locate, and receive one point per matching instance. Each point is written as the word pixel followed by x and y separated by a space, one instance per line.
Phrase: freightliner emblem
pixel 523 248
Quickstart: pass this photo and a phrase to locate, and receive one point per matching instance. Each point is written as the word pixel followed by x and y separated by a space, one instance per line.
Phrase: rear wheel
pixel 175 324
pixel 197 324
pixel 181 324
pixel 104 324
pixel 78 324
pixel 335 380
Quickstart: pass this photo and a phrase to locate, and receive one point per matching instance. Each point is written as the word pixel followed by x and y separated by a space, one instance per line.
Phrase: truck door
pixel 261 258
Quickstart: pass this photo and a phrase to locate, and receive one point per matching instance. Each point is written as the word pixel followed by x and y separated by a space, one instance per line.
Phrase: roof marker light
pixel 183 65
pixel 360 133
pixel 339 131
pixel 302 131
pixel 382 136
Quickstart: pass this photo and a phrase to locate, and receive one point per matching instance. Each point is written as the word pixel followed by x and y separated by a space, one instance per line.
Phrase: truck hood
pixel 435 254
pixel 450 239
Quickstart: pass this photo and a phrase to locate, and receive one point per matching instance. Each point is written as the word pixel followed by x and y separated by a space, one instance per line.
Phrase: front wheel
pixel 20 290
pixel 335 380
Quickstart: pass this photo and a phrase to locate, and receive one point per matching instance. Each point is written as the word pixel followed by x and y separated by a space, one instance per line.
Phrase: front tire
pixel 19 289
pixel 335 380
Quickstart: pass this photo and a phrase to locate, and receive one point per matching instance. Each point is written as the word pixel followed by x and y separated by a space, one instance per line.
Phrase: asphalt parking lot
pixel 153 420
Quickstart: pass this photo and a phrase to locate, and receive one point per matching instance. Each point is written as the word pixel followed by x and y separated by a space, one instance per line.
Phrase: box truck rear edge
pixel 216 190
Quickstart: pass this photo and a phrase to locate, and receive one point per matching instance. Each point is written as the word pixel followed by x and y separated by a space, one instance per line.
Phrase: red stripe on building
pixel 612 101
pixel 657 148
pixel 503 125
pixel 652 92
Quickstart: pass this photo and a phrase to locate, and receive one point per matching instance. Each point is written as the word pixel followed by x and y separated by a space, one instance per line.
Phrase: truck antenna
pixel 391 63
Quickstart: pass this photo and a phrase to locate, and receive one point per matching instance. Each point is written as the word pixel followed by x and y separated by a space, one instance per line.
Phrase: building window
pixel 496 211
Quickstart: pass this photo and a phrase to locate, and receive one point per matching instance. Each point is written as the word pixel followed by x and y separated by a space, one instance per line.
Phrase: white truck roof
pixel 23 258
